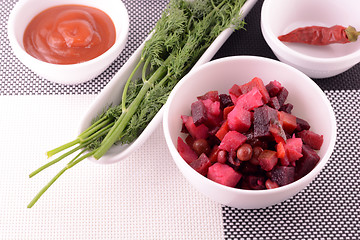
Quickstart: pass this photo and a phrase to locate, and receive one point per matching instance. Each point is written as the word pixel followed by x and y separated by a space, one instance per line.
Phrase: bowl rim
pixel 21 53
pixel 298 184
pixel 270 36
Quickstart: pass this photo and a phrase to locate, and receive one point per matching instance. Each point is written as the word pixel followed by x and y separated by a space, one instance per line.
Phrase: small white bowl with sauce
pixel 76 73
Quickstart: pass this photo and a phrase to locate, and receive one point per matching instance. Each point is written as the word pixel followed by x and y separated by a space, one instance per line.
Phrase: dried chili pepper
pixel 317 35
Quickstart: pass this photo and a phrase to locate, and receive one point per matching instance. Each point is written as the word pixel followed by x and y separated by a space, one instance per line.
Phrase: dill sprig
pixel 182 34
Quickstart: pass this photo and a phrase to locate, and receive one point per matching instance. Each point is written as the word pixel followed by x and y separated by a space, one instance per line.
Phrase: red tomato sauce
pixel 69 34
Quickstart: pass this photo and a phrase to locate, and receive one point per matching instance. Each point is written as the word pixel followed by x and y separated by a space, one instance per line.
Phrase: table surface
pixel 145 196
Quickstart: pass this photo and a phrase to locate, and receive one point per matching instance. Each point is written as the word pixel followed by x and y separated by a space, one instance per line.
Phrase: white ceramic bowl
pixel 279 17
pixel 310 103
pixel 25 10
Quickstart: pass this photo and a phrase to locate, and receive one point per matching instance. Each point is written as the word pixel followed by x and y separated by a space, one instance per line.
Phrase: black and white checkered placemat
pixel 328 209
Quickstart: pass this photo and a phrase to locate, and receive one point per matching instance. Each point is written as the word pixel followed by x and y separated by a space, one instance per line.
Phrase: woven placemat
pixel 327 209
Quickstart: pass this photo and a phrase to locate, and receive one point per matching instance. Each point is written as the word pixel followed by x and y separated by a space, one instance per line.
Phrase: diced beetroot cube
pixel 223 174
pixel 273 88
pixel 263 116
pixel 293 149
pixel 184 118
pixel 189 140
pixel 212 107
pixel 268 159
pixel 287 121
pixel 282 96
pixel 225 101
pixel 223 130
pixel 312 139
pixel 254 182
pixel 239 119
pixel 212 95
pixel 287 107
pixel 232 141
pixel 274 103
pixel 247 168
pixel 198 112
pixel 234 93
pixel 213 113
pixel 283 175
pixel 307 163
pixel 250 100
pixel 186 151
pixel 294 143
pixel 256 82
pixel 196 132
pixel 201 164
pixel 301 124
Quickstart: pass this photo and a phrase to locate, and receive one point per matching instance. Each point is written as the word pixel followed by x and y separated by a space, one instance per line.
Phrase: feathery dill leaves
pixel 182 34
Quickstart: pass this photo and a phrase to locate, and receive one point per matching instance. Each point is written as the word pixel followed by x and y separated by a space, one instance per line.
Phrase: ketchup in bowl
pixel 69 34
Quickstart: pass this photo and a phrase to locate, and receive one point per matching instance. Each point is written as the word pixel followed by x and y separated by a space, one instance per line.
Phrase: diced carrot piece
pixel 214 154
pixel 227 110
pixel 280 150
pixel 223 130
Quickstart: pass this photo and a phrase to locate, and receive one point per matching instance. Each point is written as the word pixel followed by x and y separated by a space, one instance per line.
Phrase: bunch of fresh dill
pixel 182 34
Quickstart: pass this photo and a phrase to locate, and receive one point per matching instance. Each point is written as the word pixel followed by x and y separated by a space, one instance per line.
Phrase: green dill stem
pixel 72 163
pixel 99 133
pixel 76 161
pixel 103 118
pixel 85 142
pixel 62 147
pixel 90 130
pixel 99 127
pixel 124 94
pixel 121 123
pixel 43 190
pixel 77 156
pixel 79 139
pixel 145 68
pixel 55 160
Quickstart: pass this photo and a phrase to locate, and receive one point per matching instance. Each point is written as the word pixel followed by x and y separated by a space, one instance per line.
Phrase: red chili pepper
pixel 317 35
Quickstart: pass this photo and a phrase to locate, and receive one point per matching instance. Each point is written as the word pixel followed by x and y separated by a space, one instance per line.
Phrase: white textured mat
pixel 142 197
